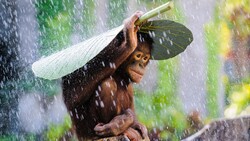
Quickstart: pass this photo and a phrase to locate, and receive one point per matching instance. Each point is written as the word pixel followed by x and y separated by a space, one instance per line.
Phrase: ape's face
pixel 138 61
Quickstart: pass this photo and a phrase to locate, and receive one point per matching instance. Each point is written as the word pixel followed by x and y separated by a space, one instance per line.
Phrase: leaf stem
pixel 155 12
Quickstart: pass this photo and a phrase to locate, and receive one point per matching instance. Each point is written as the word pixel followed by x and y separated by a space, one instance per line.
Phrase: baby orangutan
pixel 99 96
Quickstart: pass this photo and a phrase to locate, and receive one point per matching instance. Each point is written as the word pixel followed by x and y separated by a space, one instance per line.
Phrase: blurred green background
pixel 168 101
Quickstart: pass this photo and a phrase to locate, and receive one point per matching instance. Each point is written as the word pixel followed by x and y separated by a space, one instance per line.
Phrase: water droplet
pixel 99 88
pixel 102 104
pixel 103 64
pixel 171 42
pixel 164 34
pixel 96 103
pixel 96 93
pixel 160 41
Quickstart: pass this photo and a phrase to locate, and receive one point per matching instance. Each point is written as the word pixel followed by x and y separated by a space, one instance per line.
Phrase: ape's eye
pixel 145 58
pixel 138 55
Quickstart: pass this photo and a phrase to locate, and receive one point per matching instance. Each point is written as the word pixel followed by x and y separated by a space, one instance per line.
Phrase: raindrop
pixel 114 66
pixel 168 51
pixel 160 41
pixel 111 77
pixel 85 67
pixel 5 24
pixel 171 42
pixel 96 103
pixel 99 88
pixel 103 64
pixel 110 65
pixel 153 34
pixel 82 117
pixel 96 93
pixel 102 104
pixel 107 84
pixel 164 34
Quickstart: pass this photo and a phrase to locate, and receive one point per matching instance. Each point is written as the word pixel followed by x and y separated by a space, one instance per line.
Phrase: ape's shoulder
pixel 108 85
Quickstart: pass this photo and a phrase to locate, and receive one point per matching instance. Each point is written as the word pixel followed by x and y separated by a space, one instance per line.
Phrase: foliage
pixel 54 18
pixel 218 38
pixel 212 69
pixel 231 21
pixel 236 13
pixel 239 99
pixel 169 39
pixel 227 22
pixel 26 137
pixel 55 132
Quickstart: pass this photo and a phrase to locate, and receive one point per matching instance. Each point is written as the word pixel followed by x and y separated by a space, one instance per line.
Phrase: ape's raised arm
pixel 80 85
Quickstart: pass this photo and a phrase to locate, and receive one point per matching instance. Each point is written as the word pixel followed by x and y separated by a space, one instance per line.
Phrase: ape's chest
pixel 124 99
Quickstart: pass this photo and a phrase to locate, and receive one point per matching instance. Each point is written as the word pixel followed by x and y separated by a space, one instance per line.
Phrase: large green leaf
pixel 170 38
pixel 68 60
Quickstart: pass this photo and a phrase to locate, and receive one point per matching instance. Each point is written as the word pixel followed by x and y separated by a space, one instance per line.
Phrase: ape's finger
pixel 99 128
pixel 136 15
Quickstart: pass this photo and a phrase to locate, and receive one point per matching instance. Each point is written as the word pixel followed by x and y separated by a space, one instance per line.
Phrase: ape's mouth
pixel 135 75
pixel 137 72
